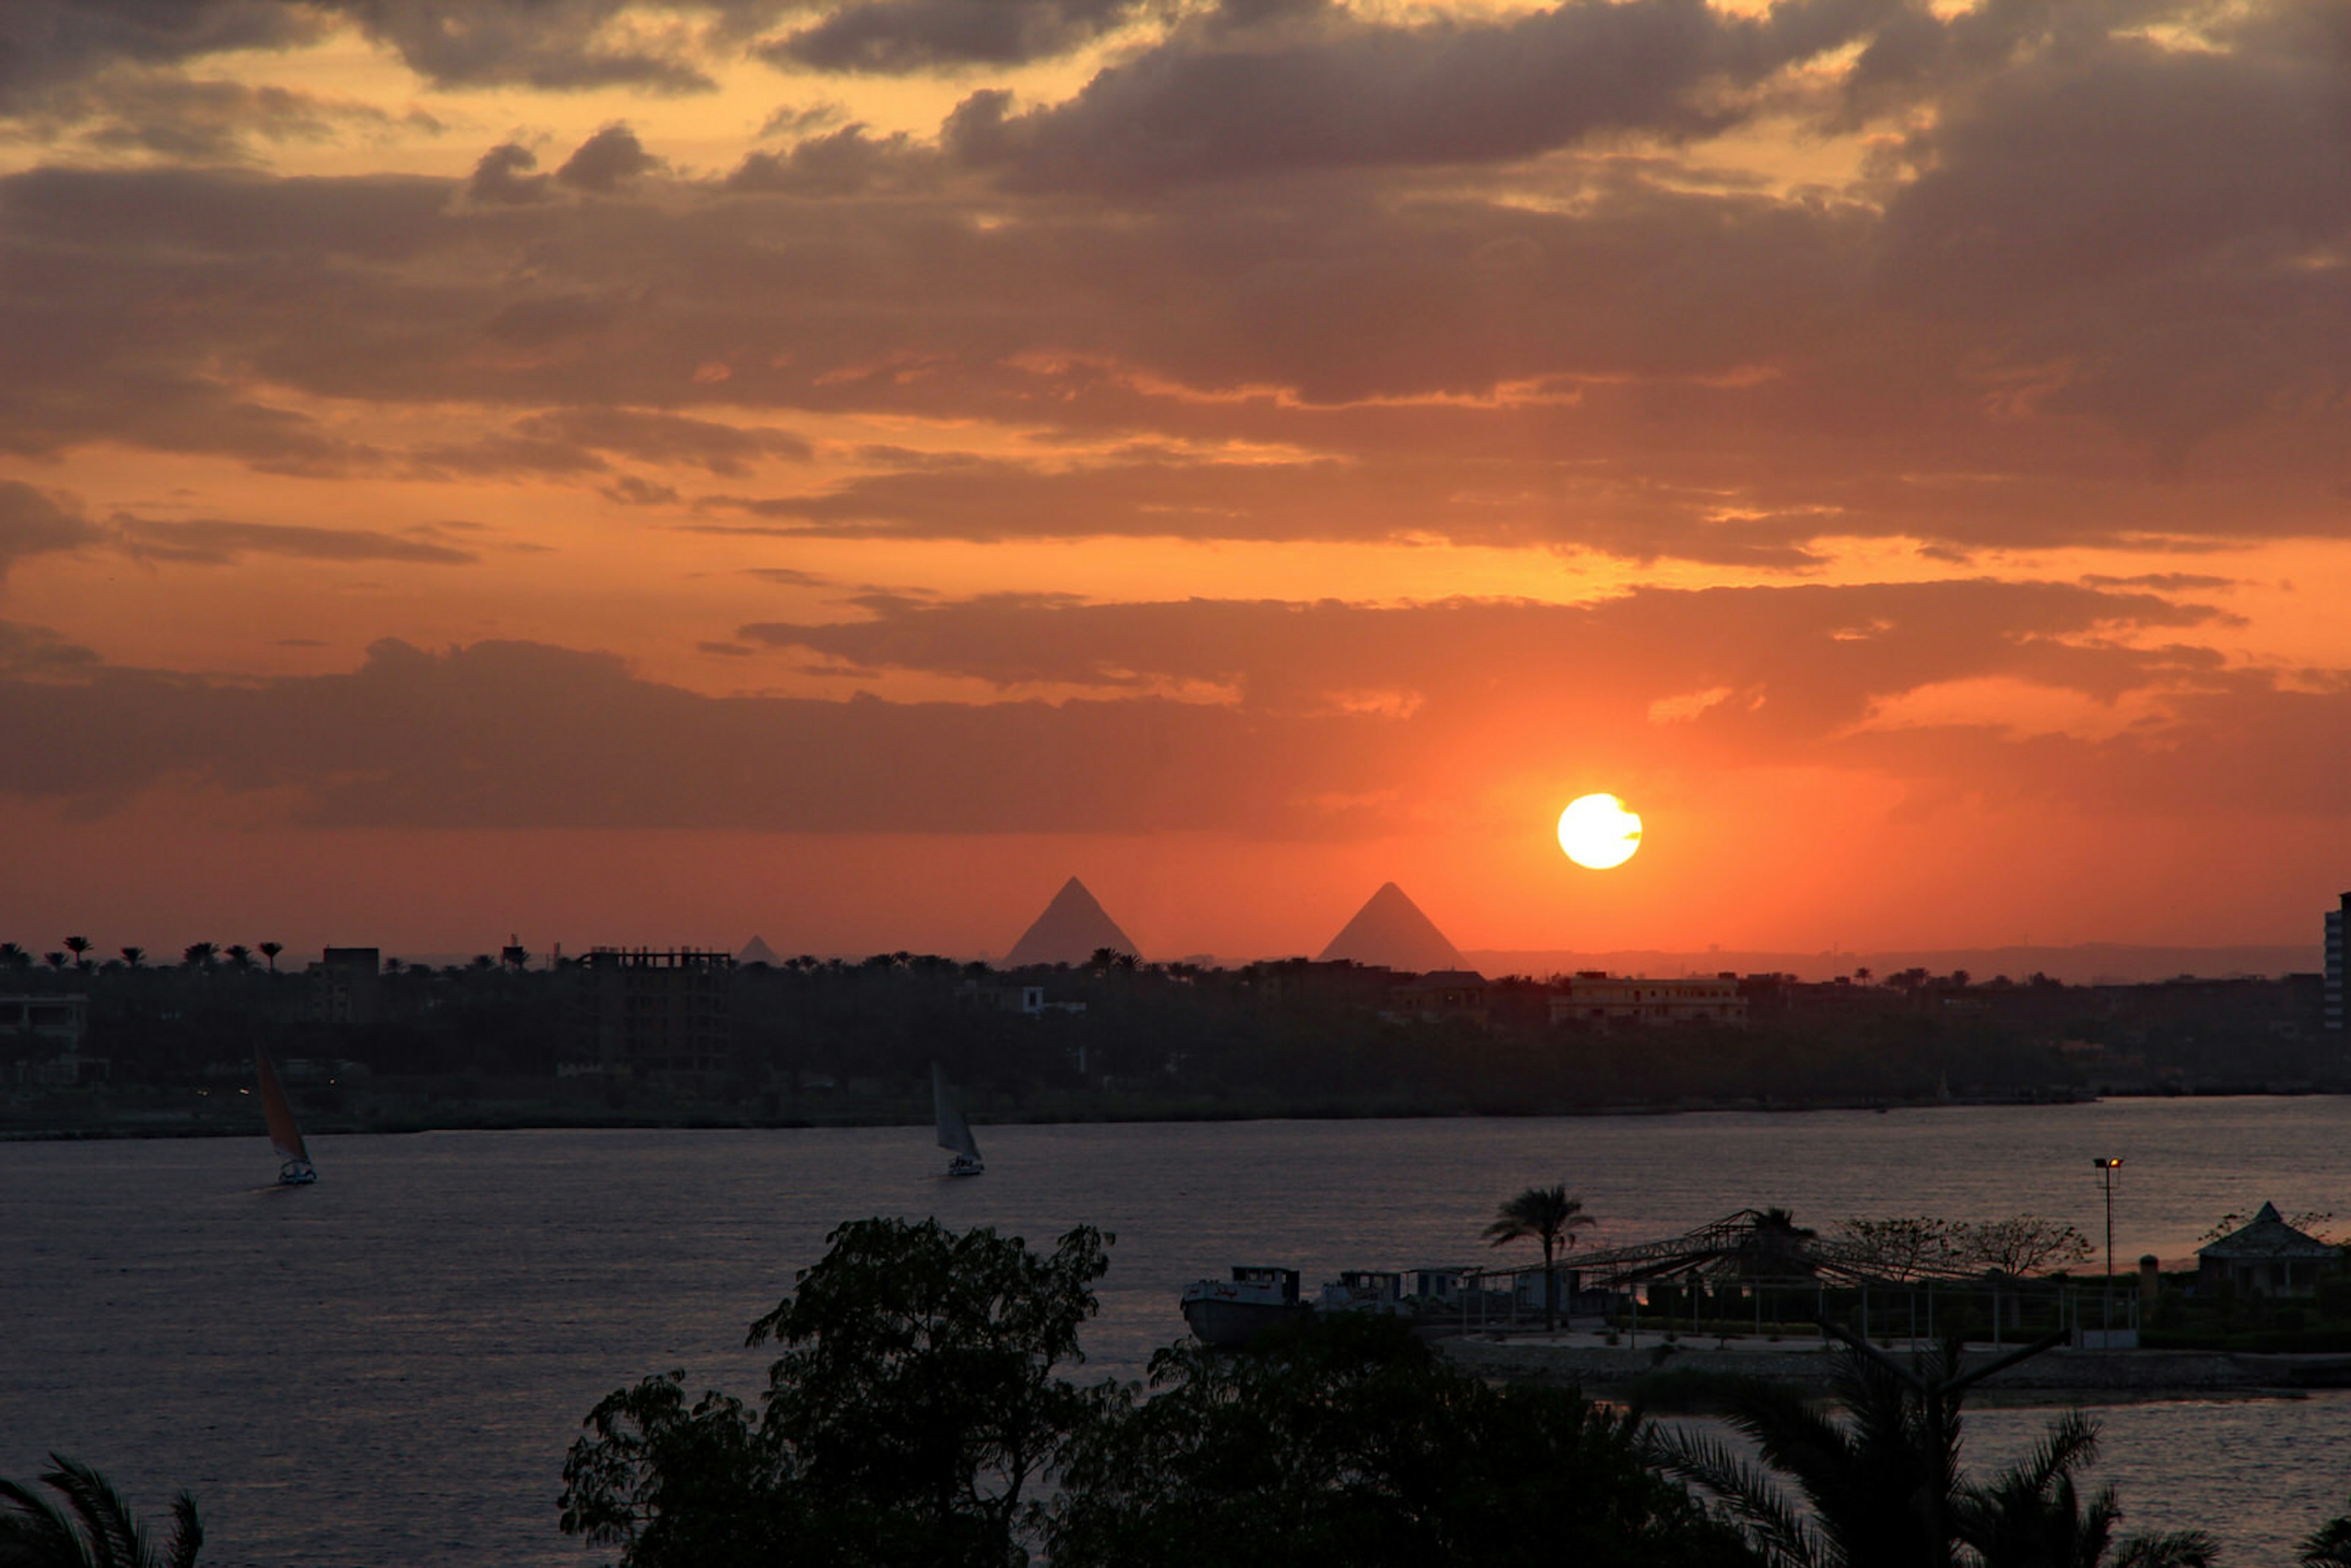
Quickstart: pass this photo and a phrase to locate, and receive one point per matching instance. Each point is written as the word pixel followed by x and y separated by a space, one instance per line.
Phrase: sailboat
pixel 955 1133
pixel 284 1135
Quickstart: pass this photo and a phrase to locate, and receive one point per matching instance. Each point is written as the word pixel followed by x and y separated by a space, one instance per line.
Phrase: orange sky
pixel 627 473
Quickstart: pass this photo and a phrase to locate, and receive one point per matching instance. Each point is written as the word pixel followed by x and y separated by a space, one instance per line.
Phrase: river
pixel 387 1367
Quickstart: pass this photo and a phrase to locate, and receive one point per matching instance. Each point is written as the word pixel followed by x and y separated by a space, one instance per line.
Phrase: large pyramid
pixel 1390 930
pixel 756 951
pixel 1071 929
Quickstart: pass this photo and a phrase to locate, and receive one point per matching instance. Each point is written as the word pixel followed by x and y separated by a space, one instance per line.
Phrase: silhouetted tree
pixel 56 961
pixel 200 955
pixel 240 956
pixel 13 957
pixel 134 956
pixel 914 1404
pixel 1348 1440
pixel 1548 1215
pixel 96 1529
pixel 2033 1516
pixel 79 947
pixel 2328 1546
pixel 270 950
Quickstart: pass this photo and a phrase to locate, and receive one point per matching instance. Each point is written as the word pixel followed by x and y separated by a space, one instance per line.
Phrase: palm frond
pixel 115 1536
pixel 35 1534
pixel 187 1534
pixel 1772 1523
pixel 2171 1549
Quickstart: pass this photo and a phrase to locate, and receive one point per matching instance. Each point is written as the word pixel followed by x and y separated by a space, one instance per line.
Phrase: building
pixel 43 1036
pixel 1439 997
pixel 1595 997
pixel 659 1015
pixel 2266 1258
pixel 346 985
pixel 2333 1014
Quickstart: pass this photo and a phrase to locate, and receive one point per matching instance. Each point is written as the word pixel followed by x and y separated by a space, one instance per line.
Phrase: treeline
pixel 1115 1037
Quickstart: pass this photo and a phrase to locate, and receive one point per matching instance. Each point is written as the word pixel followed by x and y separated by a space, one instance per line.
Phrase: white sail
pixel 955 1133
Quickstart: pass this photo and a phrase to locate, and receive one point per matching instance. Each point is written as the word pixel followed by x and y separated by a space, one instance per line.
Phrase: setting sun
pixel 1598 833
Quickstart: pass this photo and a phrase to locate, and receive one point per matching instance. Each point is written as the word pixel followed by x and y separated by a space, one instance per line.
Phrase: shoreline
pixel 528 1117
pixel 2120 1375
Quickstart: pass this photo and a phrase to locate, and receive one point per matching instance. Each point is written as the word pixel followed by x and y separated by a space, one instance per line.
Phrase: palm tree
pixel 56 961
pixel 13 957
pixel 134 956
pixel 1550 1216
pixel 79 947
pixel 2031 1514
pixel 2328 1546
pixel 200 955
pixel 240 956
pixel 1880 1483
pixel 96 1530
pixel 270 950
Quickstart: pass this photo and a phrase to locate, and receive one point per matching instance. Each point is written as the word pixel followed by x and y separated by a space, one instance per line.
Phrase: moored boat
pixel 1231 1313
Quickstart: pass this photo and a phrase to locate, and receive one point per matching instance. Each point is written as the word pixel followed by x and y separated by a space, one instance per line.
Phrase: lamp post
pixel 2106 1168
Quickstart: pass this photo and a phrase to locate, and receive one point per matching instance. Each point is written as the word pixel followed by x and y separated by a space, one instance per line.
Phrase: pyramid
pixel 1072 926
pixel 756 951
pixel 1390 930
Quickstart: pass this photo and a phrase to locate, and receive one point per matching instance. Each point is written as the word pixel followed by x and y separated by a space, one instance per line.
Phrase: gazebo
pixel 2267 1258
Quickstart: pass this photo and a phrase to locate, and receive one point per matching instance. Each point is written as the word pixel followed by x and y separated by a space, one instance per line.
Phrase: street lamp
pixel 2107 1169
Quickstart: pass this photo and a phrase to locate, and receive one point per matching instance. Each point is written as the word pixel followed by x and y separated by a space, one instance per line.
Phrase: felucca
pixel 955 1133
pixel 284 1135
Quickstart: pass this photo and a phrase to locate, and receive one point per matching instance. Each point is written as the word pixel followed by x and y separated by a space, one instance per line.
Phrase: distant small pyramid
pixel 756 951
pixel 1390 930
pixel 1069 931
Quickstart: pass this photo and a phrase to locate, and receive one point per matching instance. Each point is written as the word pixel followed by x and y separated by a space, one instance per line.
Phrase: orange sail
pixel 284 1135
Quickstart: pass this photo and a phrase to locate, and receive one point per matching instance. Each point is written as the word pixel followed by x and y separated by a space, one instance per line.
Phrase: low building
pixel 1595 997
pixel 2266 1258
pixel 43 1036
pixel 1439 997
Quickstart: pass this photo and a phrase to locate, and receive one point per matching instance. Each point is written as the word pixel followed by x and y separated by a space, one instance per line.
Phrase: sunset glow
pixel 836 470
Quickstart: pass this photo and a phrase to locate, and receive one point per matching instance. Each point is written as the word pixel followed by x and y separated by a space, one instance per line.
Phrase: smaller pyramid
pixel 756 951
pixel 1391 931
pixel 1073 928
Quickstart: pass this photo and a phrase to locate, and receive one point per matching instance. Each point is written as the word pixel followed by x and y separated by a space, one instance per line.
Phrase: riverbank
pixel 1587 1361
pixel 445 1105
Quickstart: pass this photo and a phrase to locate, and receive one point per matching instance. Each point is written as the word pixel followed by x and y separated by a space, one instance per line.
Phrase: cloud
pixel 897 37
pixel 1303 720
pixel 33 522
pixel 213 541
pixel 502 177
pixel 607 161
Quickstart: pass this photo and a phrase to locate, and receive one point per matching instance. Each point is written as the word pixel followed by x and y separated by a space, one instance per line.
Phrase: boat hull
pixel 1230 1325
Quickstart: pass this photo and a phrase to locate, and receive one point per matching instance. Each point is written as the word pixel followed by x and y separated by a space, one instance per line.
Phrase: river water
pixel 388 1367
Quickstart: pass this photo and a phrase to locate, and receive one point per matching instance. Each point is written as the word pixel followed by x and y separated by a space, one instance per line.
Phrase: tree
pixel 1899 1249
pixel 1879 1475
pixel 914 1404
pixel 270 950
pixel 200 955
pixel 2019 1246
pixel 79 947
pixel 56 961
pixel 13 957
pixel 2033 1516
pixel 95 1529
pixel 2328 1546
pixel 1348 1440
pixel 134 956
pixel 1549 1215
pixel 240 956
